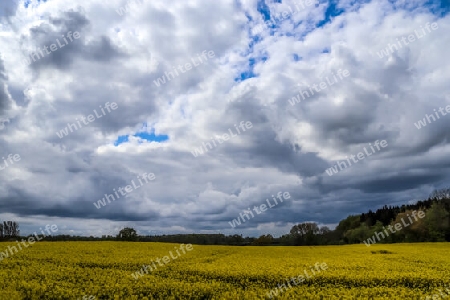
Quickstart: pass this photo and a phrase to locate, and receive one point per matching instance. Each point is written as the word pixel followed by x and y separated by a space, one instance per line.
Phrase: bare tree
pixel 10 229
pixel 15 232
pixel 441 194
pixel 6 229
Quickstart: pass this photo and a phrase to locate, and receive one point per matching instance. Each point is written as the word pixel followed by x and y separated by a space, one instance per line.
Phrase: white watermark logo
pixel 11 159
pixel 319 87
pixel 225 137
pixel 343 165
pixel 423 122
pixel 278 290
pixel 262 207
pixel 391 48
pixel 53 47
pixel 90 118
pixel 188 66
pixel 397 226
pixel 30 241
pixel 166 259
pixel 124 191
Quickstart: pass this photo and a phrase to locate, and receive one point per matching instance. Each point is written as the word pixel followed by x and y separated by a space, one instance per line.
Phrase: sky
pixel 281 90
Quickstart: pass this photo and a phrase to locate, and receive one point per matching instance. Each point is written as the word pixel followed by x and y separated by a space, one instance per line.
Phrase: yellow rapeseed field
pixel 103 270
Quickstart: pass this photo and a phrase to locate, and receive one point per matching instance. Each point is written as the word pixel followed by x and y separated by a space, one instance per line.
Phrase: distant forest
pixel 432 225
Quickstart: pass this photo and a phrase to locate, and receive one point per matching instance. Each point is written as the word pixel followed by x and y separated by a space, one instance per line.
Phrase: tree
pixel 324 230
pixel 15 232
pixel 358 235
pixel 236 239
pixel 127 234
pixel 410 231
pixel 264 240
pixel 304 233
pixel 9 229
pixel 437 222
pixel 351 222
pixel 440 194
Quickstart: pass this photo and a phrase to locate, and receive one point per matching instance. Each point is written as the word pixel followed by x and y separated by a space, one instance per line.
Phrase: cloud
pixel 251 77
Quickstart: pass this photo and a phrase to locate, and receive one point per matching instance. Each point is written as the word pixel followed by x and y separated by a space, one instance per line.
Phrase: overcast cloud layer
pixel 255 70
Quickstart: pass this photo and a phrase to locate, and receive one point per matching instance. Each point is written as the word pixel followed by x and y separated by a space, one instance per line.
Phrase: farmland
pixel 103 270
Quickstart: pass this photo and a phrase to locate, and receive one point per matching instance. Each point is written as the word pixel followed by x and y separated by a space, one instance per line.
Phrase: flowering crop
pixel 72 270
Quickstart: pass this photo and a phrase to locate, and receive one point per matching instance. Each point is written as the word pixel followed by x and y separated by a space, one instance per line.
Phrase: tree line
pixel 433 227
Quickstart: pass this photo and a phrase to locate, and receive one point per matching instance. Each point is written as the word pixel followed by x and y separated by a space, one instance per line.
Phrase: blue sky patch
pixel 331 12
pixel 245 75
pixel 264 10
pixel 439 7
pixel 121 139
pixel 249 73
pixel 143 136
